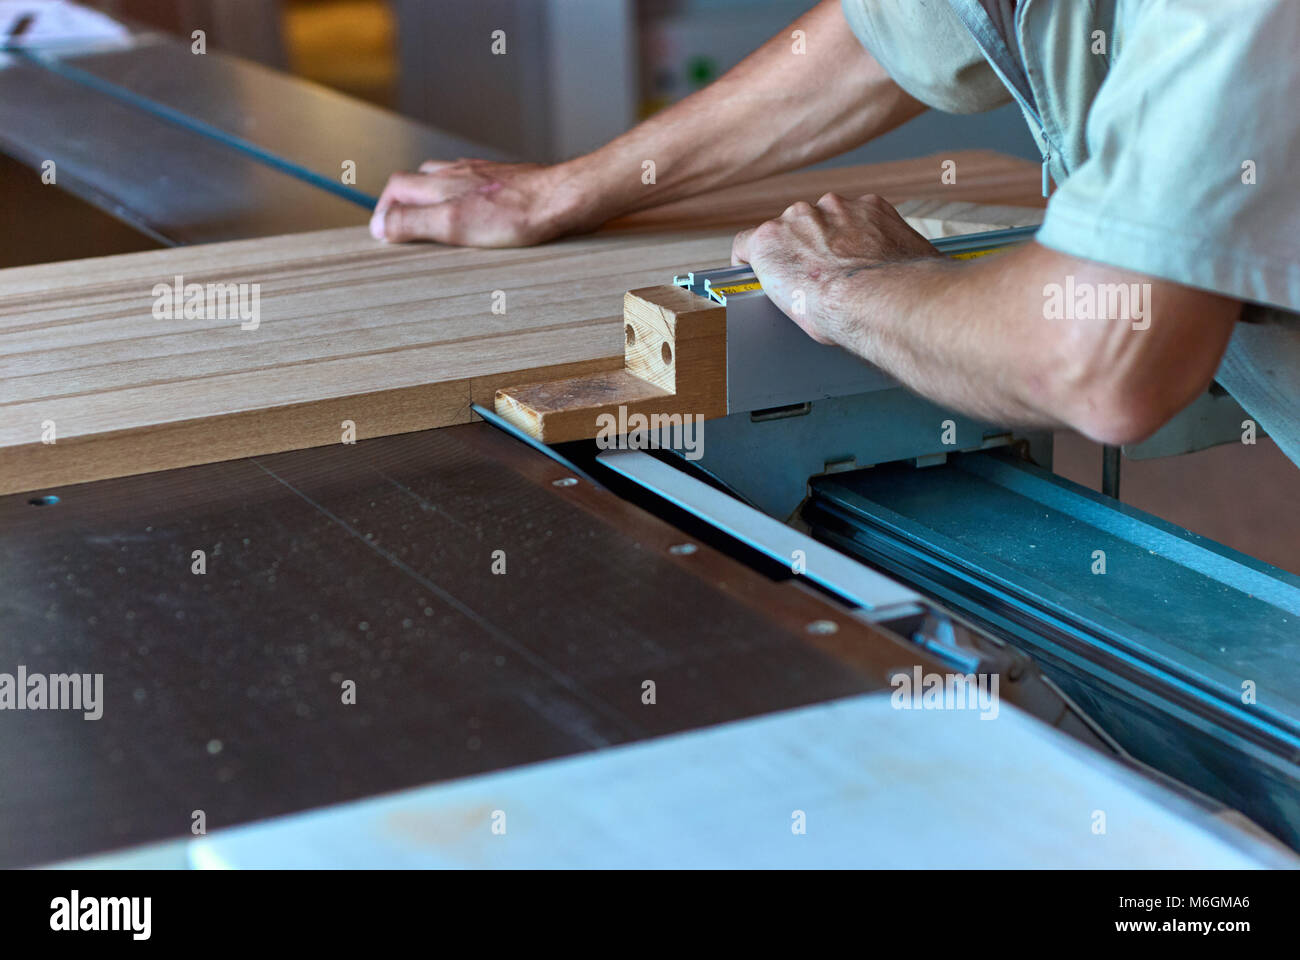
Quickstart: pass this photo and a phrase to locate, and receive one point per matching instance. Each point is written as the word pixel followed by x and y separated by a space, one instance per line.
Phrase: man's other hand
pixel 478 203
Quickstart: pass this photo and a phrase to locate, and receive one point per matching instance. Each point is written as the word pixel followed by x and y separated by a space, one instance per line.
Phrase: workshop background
pixel 581 72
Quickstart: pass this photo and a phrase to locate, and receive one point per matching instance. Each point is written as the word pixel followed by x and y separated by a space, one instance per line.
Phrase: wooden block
pixel 675 365
pixel 393 338
pixel 561 410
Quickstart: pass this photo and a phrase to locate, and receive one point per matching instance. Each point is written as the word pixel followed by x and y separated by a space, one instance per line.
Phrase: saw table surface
pixel 373 564
pixel 392 338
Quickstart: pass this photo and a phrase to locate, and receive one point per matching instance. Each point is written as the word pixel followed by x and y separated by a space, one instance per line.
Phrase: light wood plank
pixel 394 338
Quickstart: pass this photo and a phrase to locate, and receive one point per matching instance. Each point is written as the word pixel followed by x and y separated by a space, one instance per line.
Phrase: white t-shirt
pixel 1172 132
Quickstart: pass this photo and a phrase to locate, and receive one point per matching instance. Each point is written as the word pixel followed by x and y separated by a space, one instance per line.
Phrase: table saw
pixel 854 630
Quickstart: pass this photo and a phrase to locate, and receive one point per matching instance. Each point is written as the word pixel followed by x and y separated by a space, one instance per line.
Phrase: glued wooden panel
pixel 393 338
pixel 674 365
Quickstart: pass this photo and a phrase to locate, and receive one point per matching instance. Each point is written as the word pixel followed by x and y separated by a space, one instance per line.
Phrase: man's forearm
pixel 778 110
pixel 808 94
pixel 975 337
pixel 945 330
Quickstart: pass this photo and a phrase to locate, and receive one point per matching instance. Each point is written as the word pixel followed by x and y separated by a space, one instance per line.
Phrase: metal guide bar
pixel 548 451
pixel 820 564
pixel 727 282
pixel 941 523
pixel 1172 712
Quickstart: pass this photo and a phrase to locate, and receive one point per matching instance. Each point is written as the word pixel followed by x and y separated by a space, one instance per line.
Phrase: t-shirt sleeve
pixel 1193 142
pixel 928 52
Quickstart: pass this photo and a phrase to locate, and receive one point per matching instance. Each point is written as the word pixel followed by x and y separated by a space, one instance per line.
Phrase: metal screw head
pixel 822 628
pixel 565 482
pixel 683 549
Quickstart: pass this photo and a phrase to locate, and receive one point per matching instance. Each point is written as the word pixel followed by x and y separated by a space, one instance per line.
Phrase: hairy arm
pixel 777 110
pixel 992 337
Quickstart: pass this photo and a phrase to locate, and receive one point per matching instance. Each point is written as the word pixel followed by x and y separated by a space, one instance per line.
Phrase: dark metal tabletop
pixel 372 564
pixel 200 148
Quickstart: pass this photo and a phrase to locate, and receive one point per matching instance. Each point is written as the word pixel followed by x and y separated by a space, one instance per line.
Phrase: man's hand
pixel 799 256
pixel 978 336
pixel 479 203
pixel 772 112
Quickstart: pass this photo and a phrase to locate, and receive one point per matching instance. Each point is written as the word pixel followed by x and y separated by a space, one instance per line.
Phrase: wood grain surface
pixel 674 365
pixel 391 338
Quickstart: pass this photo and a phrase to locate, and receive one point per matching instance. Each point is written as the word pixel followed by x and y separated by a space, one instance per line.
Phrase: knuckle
pixel 831 199
pixel 395 222
pixel 407 186
pixel 453 221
